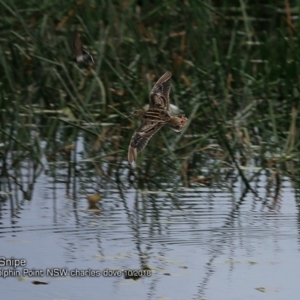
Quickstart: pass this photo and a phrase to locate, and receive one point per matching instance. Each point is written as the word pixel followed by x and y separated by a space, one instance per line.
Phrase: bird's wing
pixel 76 45
pixel 141 137
pixel 80 53
pixel 159 95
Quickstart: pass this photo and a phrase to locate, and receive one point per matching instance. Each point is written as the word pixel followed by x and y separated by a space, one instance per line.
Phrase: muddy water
pixel 195 243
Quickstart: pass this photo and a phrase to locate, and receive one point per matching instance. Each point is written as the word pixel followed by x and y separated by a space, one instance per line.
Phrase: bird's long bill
pixel 128 117
pixel 132 155
pixel 131 115
pixel 123 120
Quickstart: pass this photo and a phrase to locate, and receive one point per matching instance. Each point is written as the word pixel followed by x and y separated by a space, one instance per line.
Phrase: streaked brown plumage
pixel 153 119
pixel 80 53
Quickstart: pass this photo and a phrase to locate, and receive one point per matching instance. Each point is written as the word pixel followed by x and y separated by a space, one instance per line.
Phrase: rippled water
pixel 202 242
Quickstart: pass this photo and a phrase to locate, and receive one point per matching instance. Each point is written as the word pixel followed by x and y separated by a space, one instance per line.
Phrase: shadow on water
pixel 196 235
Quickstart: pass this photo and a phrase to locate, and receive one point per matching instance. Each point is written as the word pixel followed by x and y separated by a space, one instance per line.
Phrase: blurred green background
pixel 235 68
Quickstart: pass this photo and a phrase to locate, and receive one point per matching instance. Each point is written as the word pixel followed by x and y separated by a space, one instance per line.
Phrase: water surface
pixel 201 242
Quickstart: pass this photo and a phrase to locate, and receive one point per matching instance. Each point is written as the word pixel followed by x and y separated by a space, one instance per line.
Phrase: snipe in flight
pixel 153 119
pixel 80 53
